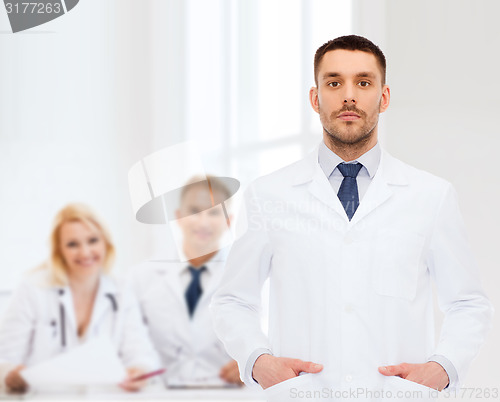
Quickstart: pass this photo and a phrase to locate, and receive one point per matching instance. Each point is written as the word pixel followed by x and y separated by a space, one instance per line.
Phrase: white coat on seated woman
pixel 72 299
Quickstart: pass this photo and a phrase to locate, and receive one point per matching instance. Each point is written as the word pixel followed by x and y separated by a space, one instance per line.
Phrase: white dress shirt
pixel 329 160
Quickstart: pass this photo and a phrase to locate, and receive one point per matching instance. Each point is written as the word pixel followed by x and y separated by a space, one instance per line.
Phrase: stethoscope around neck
pixel 62 314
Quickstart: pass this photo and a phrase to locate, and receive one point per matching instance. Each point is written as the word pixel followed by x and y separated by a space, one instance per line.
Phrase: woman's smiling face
pixel 83 248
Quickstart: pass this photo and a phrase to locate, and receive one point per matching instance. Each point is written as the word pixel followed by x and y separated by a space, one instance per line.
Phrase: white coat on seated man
pixel 174 296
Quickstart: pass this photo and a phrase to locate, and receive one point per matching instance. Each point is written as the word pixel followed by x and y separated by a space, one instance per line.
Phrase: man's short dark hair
pixel 209 182
pixel 349 42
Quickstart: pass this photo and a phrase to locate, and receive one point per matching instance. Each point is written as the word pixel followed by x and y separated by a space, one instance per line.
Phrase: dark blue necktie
pixel 348 191
pixel 193 292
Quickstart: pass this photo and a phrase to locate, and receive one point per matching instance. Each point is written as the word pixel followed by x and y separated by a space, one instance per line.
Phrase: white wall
pixel 57 137
pixel 443 65
pixel 77 110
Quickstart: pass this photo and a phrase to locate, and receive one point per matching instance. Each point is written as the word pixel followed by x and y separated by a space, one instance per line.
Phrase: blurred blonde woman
pixel 70 300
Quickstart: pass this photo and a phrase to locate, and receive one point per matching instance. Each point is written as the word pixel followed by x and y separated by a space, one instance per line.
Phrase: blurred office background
pixel 86 96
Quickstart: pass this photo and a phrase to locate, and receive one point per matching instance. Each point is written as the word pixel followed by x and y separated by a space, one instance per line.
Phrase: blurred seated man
pixel 174 296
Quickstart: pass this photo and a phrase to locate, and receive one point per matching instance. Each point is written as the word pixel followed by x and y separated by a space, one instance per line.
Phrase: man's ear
pixel 313 98
pixel 386 98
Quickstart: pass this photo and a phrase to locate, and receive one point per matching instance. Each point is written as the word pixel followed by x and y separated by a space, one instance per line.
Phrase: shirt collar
pixel 328 160
pixel 186 268
pixel 210 264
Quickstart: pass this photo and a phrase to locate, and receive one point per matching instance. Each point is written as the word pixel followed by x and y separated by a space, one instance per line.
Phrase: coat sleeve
pixel 16 330
pixel 468 312
pixel 236 305
pixel 136 347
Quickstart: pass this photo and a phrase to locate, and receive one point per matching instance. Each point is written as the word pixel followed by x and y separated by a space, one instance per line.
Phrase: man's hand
pixel 430 374
pixel 230 373
pixel 270 370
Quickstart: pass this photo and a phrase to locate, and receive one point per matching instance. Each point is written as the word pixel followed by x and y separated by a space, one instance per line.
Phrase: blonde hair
pixel 75 213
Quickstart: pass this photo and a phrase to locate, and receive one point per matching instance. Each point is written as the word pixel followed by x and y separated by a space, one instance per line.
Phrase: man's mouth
pixel 203 234
pixel 348 116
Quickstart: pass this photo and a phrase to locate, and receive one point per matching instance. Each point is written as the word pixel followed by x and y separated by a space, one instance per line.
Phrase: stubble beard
pixel 345 136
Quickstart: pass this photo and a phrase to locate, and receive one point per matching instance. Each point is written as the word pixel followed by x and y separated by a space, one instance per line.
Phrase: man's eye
pixel 334 84
pixel 364 83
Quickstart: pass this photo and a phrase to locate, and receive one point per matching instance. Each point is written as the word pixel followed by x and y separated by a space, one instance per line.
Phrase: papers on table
pixel 95 362
pixel 206 383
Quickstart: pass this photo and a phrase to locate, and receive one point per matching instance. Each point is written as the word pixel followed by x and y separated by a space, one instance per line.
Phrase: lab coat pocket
pixel 397 259
pixel 409 391
pixel 289 390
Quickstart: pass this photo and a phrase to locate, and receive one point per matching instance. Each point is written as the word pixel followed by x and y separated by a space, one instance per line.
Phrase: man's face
pixel 349 96
pixel 201 218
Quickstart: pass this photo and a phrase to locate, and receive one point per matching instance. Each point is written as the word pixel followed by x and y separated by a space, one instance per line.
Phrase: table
pixel 152 393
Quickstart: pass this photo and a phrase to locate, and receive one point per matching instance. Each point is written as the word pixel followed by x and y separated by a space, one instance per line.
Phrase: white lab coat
pixel 351 295
pixel 31 329
pixel 188 347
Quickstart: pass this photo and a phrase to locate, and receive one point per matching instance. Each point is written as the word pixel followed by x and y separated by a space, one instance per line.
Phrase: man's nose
pixel 204 217
pixel 349 96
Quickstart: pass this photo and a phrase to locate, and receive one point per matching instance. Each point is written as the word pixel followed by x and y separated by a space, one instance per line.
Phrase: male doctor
pixel 351 239
pixel 174 296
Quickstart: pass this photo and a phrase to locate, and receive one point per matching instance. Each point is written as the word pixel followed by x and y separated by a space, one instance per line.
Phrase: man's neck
pixel 197 260
pixel 350 152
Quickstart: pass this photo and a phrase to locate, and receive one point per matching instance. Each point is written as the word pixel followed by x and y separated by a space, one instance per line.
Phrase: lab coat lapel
pixel 321 188
pixel 66 300
pixel 377 193
pixel 173 283
pixel 310 172
pixel 381 188
pixel 389 173
pixel 216 266
pixel 103 302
